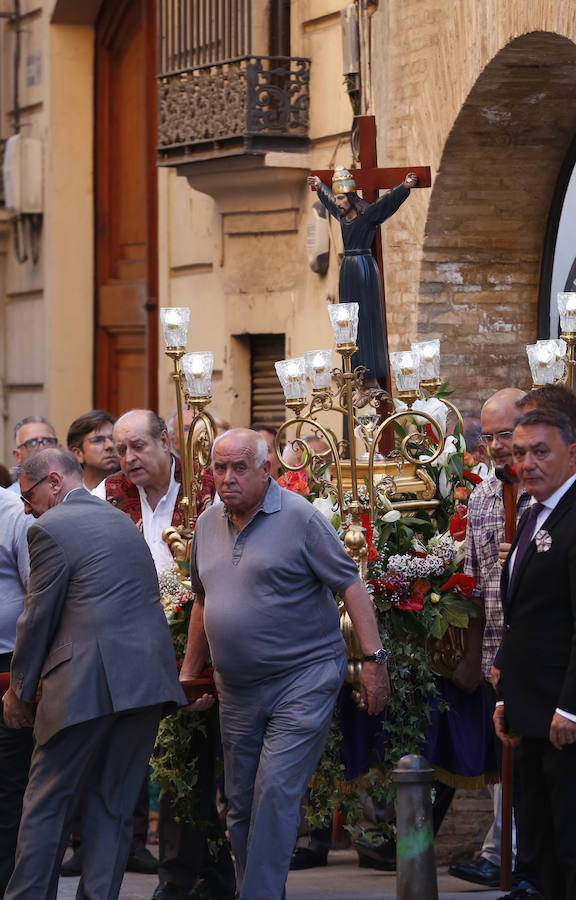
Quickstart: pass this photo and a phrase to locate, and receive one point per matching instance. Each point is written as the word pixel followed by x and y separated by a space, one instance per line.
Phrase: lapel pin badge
pixel 543 541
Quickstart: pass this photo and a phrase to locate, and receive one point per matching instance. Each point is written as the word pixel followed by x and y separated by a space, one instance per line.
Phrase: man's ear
pixel 55 482
pixel 17 455
pixel 165 440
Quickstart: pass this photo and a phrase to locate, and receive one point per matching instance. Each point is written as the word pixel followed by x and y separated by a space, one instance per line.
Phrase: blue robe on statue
pixel 359 275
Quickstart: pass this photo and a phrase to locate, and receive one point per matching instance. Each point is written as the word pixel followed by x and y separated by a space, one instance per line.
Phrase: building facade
pixel 176 139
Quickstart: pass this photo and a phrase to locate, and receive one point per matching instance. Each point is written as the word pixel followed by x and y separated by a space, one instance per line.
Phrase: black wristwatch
pixel 380 656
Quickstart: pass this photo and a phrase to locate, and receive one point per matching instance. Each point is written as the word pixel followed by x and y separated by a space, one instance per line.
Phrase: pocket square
pixel 543 541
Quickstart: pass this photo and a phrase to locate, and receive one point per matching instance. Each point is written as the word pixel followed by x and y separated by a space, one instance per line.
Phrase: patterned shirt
pixel 485 531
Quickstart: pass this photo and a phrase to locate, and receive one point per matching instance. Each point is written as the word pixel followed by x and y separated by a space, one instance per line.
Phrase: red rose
pixel 372 553
pixel 461 492
pixel 296 482
pixel 464 584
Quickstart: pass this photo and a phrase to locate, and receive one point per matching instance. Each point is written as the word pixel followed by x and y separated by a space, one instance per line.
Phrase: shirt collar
pixel 552 501
pixel 271 501
pixel 171 484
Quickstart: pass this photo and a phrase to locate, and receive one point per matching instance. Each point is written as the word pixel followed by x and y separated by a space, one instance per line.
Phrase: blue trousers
pixel 273 734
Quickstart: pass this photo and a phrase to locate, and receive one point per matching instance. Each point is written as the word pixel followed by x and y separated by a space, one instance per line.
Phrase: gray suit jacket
pixel 93 627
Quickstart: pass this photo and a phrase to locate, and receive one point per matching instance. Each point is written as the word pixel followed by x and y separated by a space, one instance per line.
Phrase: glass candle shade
pixel 344 321
pixel 567 310
pixel 406 370
pixel 318 368
pixel 175 321
pixel 292 375
pixel 429 357
pixel 546 360
pixel 197 368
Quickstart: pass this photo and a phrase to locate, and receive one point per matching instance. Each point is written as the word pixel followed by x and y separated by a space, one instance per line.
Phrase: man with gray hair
pixel 94 630
pixel 31 434
pixel 265 566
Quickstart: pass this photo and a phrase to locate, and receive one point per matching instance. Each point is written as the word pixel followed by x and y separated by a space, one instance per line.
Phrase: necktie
pixel 525 538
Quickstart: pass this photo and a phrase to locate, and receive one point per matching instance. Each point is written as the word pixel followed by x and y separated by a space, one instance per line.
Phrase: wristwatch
pixel 379 657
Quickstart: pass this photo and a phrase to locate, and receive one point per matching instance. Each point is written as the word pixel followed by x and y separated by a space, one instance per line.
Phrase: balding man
pixel 265 567
pixel 94 630
pixel 485 532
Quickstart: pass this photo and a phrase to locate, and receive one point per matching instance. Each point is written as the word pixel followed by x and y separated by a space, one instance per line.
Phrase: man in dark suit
pixel 94 631
pixel 537 658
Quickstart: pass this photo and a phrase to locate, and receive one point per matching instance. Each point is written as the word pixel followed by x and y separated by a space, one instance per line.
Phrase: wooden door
pixel 126 356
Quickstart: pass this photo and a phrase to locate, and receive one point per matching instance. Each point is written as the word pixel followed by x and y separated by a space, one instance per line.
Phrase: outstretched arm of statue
pixel 374 681
pixel 325 195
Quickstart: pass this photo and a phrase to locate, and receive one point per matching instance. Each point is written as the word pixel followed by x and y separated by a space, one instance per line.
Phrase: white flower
pixel 392 516
pixel 432 407
pixel 328 509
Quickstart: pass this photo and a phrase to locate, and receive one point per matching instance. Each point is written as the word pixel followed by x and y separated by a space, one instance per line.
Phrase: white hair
pixel 260 451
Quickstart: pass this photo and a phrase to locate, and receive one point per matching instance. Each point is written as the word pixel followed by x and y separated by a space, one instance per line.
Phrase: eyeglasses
pixel 501 435
pixel 100 439
pixel 32 443
pixel 25 497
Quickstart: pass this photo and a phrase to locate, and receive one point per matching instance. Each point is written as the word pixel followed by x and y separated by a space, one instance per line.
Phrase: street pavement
pixel 342 879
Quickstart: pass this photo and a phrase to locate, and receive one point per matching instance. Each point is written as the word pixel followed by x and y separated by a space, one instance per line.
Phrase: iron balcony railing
pixel 256 101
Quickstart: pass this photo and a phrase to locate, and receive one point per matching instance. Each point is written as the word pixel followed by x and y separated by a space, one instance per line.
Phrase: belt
pixel 357 253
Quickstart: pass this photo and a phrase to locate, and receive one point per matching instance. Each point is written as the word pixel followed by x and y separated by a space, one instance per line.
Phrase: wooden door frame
pixel 113 11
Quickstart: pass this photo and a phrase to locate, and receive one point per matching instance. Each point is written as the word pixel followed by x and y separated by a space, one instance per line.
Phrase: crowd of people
pixel 80 615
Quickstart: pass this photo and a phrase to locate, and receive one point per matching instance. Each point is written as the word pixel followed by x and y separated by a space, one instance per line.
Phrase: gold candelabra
pixel 191 374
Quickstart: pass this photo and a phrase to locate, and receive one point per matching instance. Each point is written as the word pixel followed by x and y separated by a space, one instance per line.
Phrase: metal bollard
pixel 415 860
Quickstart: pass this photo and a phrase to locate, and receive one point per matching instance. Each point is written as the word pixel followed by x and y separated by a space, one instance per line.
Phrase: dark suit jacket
pixel 537 657
pixel 93 627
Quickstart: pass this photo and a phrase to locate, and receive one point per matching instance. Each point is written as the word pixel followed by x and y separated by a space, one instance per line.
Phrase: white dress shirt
pixel 154 521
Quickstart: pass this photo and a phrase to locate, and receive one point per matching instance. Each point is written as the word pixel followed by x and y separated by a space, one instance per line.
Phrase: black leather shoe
pixel 168 891
pixel 522 894
pixel 73 866
pixel 141 860
pixel 304 858
pixel 481 871
pixel 379 855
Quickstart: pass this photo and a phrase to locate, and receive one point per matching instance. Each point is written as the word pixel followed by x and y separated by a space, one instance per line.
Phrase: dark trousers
pixel 102 761
pixel 185 855
pixel 548 781
pixel 16 745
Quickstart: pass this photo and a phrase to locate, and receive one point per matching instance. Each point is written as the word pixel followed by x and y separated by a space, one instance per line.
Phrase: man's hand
pixel 562 731
pixel 494 677
pixel 375 686
pixel 206 701
pixel 507 737
pixel 17 713
pixel 503 551
pixel 411 180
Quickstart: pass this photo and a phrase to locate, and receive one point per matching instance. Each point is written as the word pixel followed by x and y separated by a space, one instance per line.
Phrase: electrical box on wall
pixel 22 173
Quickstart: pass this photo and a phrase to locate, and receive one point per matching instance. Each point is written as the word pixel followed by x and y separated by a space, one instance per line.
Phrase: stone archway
pixel 488 213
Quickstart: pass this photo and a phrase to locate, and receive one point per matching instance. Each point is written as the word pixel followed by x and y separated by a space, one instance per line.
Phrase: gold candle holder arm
pixel 198 453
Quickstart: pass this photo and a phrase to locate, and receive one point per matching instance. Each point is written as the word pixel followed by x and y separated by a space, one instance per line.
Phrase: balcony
pixel 247 105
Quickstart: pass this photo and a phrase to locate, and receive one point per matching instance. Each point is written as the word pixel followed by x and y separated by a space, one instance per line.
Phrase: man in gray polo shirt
pixel 265 565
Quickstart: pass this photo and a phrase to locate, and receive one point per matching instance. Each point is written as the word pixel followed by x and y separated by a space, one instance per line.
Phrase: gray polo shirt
pixel 269 588
pixel 14 565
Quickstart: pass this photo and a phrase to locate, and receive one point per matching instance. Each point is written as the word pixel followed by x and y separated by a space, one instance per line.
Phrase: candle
pixel 197 368
pixel 545 355
pixel 407 364
pixel 318 363
pixel 429 352
pixel 342 317
pixel 172 319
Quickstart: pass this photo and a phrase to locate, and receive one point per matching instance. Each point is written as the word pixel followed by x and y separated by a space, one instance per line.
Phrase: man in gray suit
pixel 94 631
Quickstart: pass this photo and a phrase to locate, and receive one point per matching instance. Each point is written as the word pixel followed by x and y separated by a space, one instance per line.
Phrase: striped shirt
pixel 485 531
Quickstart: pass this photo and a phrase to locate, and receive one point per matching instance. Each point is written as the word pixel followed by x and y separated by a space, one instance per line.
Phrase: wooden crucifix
pixel 369 179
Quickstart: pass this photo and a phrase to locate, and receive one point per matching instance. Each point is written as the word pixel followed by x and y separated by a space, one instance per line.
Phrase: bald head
pixel 47 477
pixel 143 447
pixel 498 416
pixel 241 469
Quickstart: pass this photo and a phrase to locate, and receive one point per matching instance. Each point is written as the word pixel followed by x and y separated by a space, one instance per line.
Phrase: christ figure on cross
pixel 359 275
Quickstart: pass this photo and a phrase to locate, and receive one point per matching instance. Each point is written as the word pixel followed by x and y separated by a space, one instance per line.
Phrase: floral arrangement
pixel 419 592
pixel 174 759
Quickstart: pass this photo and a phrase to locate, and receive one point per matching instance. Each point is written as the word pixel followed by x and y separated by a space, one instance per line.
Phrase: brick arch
pixel 488 212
